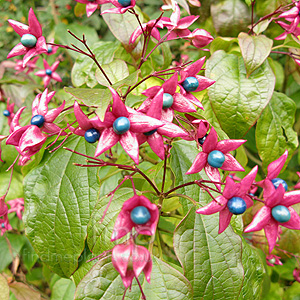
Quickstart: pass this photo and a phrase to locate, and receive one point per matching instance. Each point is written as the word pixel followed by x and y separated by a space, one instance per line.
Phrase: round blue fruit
pixel 125 3
pixel 28 40
pixel 38 120
pixel 236 205
pixel 49 49
pixel 140 215
pixel 216 159
pixel 150 132
pixel 277 181
pixel 202 140
pixel 48 72
pixel 168 100
pixel 121 125
pixel 6 113
pixel 190 84
pixel 281 214
pixel 92 135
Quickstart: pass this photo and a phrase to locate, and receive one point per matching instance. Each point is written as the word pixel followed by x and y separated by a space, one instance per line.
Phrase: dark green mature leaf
pixel 63 289
pixel 99 234
pixel 237 100
pixel 255 50
pixel 104 282
pixel 230 17
pixel 274 130
pixel 59 199
pixel 98 98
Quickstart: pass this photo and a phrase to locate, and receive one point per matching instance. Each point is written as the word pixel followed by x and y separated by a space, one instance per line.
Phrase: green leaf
pixel 261 27
pixel 63 289
pixel 29 257
pixel 255 50
pixel 130 80
pixel 237 100
pixel 99 234
pixel 23 291
pixel 104 282
pixel 59 199
pixel 222 43
pixel 4 289
pixel 116 71
pixel 274 129
pixel 278 70
pixel 292 293
pixel 98 98
pixel 16 188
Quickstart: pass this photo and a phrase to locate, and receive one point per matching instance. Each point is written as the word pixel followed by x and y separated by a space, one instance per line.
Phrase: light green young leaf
pixel 63 289
pixel 4 289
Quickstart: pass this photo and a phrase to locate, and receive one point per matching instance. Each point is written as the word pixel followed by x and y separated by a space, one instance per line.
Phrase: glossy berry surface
pixel 28 40
pixel 272 261
pixel 190 84
pixel 281 214
pixel 92 135
pixel 2 225
pixel 125 3
pixel 216 159
pixel 48 72
pixel 49 49
pixel 168 100
pixel 277 181
pixel 202 140
pixel 150 132
pixel 6 113
pixel 236 205
pixel 121 125
pixel 38 120
pixel 140 215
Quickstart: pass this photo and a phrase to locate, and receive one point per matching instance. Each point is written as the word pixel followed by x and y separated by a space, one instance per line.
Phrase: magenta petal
pixel 120 257
pixel 40 73
pixel 156 143
pixel 140 258
pixel 226 146
pixel 170 85
pixel 19 49
pixel 130 144
pixel 171 130
pixel 231 188
pixel 276 197
pixel 198 164
pixel 204 83
pixel 190 97
pixel 14 137
pixel 148 270
pixel 32 139
pixel 123 225
pixel 142 123
pixel 56 77
pixel 46 80
pixel 195 67
pixel 34 25
pixel 16 118
pixel 294 222
pixel 51 128
pixel 151 92
pixel 186 22
pixel 247 181
pixel 136 34
pixel 41 45
pixel 155 33
pixel 32 52
pixel 46 65
pixel 90 8
pixel 291 198
pixel 260 220
pixel 293 12
pixel 55 65
pixel 224 219
pixel 43 103
pixel 271 231
pixel 181 104
pixel 213 174
pixel 275 167
pixel 35 105
pixel 107 140
pixel 214 206
pixel 82 119
pixel 118 107
pixel 18 27
pixel 156 105
pixel 211 141
pixel 167 114
pixel 175 16
pixel 53 113
pixel 231 164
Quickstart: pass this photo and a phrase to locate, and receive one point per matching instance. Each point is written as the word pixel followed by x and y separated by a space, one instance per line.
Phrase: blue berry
pixel 251 194
pixel 92 135
pixel 236 205
pixel 48 72
pixel 216 159
pixel 3 225
pixel 202 140
pixel 121 125
pixel 277 181
pixel 28 40
pixel 281 214
pixel 49 49
pixel 6 113
pixel 190 84
pixel 150 132
pixel 38 120
pixel 168 100
pixel 125 3
pixel 140 215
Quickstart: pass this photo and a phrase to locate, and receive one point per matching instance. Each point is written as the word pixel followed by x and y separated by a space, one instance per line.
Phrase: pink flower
pixel 178 27
pixel 130 260
pixel 292 15
pixel 4 224
pixel 173 101
pixel 200 38
pixel 139 213
pixel 49 73
pixel 272 260
pixel 30 66
pixel 216 155
pixel 3 206
pixel 91 6
pixel 32 41
pixel 202 129
pixel 17 206
pixel 155 137
pixel 121 6
pixel 234 200
pixel 276 211
pixel 9 111
pixel 122 125
pixel 286 27
pixel 297 186
pixel 52 49
pixel 296 274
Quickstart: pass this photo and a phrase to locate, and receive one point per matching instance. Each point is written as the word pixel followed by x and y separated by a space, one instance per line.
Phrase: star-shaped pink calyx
pixel 51 49
pixel 48 73
pixel 130 260
pixel 30 66
pixel 9 111
pixel 155 137
pixel 276 211
pixel 122 124
pixel 91 6
pixel 17 206
pixel 171 100
pixel 272 260
pixel 233 201
pixel 200 38
pixel 292 15
pixel 32 42
pixel 216 155
pixel 121 6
